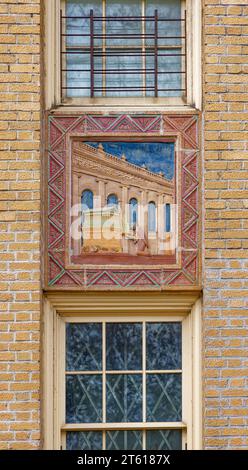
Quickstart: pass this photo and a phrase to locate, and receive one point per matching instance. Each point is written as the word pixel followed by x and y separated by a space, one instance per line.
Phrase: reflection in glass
pixel 124 440
pixel 164 346
pixel 166 439
pixel 163 397
pixel 83 398
pixel 83 346
pixel 124 346
pixel 124 398
pixel 88 440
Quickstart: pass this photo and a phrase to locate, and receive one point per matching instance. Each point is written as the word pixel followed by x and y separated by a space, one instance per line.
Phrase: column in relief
pixel 125 217
pixel 160 222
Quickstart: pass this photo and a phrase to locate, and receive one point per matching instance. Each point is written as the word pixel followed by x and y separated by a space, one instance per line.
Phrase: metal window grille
pixel 100 44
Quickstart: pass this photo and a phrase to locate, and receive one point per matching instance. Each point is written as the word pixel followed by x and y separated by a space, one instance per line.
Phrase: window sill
pixel 69 108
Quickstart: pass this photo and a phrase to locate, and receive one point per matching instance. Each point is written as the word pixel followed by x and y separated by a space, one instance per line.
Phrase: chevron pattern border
pixel 60 128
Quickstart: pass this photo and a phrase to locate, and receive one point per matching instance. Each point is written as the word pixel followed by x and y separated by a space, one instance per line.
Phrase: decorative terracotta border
pixel 61 129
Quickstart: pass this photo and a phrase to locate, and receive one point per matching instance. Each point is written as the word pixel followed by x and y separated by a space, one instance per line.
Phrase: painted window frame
pixel 53 75
pixel 54 427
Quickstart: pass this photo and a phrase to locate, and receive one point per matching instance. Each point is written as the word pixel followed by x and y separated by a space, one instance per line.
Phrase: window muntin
pixel 127 392
pixel 142 52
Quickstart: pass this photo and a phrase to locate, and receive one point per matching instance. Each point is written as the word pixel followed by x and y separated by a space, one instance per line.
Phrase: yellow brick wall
pixel 19 223
pixel 225 344
pixel 225 130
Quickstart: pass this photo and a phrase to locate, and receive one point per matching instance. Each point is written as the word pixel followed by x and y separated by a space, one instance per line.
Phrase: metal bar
pixel 185 45
pixel 121 88
pixel 156 53
pixel 123 71
pixel 123 36
pixel 61 57
pixel 91 54
pixel 127 18
pixel 116 54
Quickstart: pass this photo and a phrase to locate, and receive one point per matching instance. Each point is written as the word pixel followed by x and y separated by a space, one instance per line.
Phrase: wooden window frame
pixel 58 309
pixel 53 75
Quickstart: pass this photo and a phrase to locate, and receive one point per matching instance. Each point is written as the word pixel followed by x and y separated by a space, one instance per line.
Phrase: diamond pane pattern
pixel 124 440
pixel 91 440
pixel 124 398
pixel 124 395
pixel 164 440
pixel 83 346
pixel 164 397
pixel 164 346
pixel 124 346
pixel 84 398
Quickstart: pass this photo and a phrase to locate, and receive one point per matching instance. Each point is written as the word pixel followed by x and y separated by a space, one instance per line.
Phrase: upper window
pixel 107 51
pixel 116 48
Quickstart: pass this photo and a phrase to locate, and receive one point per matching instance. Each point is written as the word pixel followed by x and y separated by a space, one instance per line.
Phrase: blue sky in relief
pixel 156 156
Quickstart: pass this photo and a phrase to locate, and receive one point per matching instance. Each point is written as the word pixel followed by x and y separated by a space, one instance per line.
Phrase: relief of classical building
pixel 104 175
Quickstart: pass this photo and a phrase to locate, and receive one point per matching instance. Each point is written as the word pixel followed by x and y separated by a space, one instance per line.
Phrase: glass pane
pixel 124 346
pixel 124 398
pixel 164 397
pixel 169 30
pixel 124 440
pixel 79 26
pixel 91 440
pixel 164 440
pixel 122 78
pixel 169 62
pixel 83 346
pixel 121 30
pixel 83 398
pixel 78 74
pixel 163 346
pixel 123 33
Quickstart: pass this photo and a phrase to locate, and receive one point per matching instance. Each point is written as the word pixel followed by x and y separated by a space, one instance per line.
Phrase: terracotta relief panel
pixel 122 202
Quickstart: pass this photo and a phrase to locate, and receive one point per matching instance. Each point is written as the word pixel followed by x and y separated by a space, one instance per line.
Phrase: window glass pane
pixel 124 346
pixel 163 346
pixel 164 440
pixel 78 74
pixel 121 27
pixel 83 346
pixel 169 62
pixel 90 440
pixel 169 30
pixel 164 397
pixel 124 440
pixel 119 80
pixel 81 26
pixel 83 398
pixel 124 398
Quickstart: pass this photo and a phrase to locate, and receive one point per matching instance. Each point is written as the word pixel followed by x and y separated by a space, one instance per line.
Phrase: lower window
pixel 127 384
